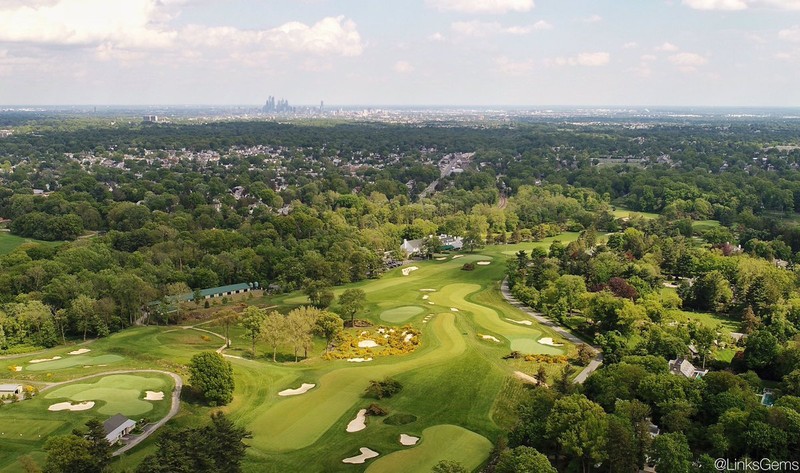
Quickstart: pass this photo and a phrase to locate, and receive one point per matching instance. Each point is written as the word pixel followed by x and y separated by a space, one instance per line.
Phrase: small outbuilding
pixel 118 427
pixel 10 389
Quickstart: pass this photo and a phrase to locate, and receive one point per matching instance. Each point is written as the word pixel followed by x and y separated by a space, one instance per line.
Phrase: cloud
pixel 592 19
pixel 488 28
pixel 630 45
pixel 585 59
pixel 790 34
pixel 688 62
pixel 736 5
pixel 510 67
pixel 403 67
pixel 716 4
pixel 436 37
pixel 667 47
pixel 482 6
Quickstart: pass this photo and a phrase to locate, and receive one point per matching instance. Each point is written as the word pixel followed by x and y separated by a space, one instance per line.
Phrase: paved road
pixel 561 330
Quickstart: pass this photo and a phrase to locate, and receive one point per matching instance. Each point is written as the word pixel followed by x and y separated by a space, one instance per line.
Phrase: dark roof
pixel 113 423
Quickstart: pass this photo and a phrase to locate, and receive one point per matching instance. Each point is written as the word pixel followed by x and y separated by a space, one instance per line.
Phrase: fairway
pixel 27 429
pixel 115 394
pixel 440 442
pixel 9 242
pixel 401 314
pixel 71 361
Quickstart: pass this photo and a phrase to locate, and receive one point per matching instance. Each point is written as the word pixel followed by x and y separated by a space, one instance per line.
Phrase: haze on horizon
pixel 438 52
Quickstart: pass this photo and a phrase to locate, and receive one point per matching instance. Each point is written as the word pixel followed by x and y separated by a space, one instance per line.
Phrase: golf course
pixel 458 392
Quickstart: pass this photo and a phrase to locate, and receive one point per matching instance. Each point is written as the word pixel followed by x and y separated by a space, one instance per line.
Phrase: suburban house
pixel 685 367
pixel 411 247
pixel 117 427
pixel 449 242
pixel 10 389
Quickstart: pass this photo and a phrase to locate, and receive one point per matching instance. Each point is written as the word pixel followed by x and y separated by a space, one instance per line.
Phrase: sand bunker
pixel 441 258
pixel 525 377
pixel 425 297
pixel 359 423
pixel 47 359
pixel 366 454
pixel 483 263
pixel 521 322
pixel 427 290
pixel 367 344
pixel 453 309
pixel 304 388
pixel 359 360
pixel 408 440
pixel 549 342
pixel 16 368
pixel 407 271
pixel 489 337
pixel 68 406
pixel 153 396
pixel 408 337
pixel 458 256
pixel 431 302
pixel 79 352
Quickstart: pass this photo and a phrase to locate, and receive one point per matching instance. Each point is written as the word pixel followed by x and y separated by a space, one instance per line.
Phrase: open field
pixel 9 242
pixel 441 395
pixel 620 212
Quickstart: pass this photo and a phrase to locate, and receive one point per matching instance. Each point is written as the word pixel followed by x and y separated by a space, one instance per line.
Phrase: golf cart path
pixel 562 331
pixel 173 409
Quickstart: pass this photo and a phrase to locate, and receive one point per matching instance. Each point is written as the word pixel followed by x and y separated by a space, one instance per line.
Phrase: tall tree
pixel 329 326
pixel 226 318
pixel 580 428
pixel 252 321
pixel 211 376
pixel 274 331
pixel 351 302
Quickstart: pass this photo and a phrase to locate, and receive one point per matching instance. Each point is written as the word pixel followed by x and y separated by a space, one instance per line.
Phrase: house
pixel 10 389
pixel 117 427
pixel 685 367
pixel 411 247
pixel 450 242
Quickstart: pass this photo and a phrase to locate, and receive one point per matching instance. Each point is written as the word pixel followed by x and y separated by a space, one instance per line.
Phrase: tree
pixel 211 376
pixel 761 349
pixel 523 460
pixel 351 302
pixel 671 453
pixel 703 338
pixel 175 292
pixel 329 326
pixel 448 466
pixel 274 331
pixel 252 321
pixel 431 245
pixel 225 318
pixel 319 294
pixel 300 325
pixel 79 452
pixel 580 428
pixel 82 313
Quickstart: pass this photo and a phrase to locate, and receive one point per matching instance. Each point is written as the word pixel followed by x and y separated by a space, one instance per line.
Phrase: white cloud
pixel 487 28
pixel 585 59
pixel 790 34
pixel 403 67
pixel 667 47
pixel 592 19
pixel 647 58
pixel 716 4
pixel 510 67
pixel 131 23
pixel 734 5
pixel 482 6
pixel 542 25
pixel 630 45
pixel 688 62
pixel 436 37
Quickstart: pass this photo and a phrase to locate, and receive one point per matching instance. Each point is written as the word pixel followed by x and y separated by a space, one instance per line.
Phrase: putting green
pixel 27 429
pixel 530 346
pixel 116 393
pixel 74 360
pixel 440 442
pixel 401 314
pixel 299 421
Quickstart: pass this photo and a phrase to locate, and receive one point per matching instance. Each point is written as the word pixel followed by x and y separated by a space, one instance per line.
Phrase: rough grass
pixel 9 242
pixel 71 361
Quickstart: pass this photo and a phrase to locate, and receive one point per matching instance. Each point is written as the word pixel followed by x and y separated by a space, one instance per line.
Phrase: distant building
pixel 411 247
pixel 450 242
pixel 10 389
pixel 684 367
pixel 150 119
pixel 118 427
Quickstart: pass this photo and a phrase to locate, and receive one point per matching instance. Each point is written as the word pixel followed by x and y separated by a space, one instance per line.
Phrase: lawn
pixel 9 242
pixel 620 212
pixel 114 394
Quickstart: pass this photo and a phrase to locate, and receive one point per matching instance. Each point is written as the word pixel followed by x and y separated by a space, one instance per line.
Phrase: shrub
pixel 468 267
pixel 383 389
pixel 376 410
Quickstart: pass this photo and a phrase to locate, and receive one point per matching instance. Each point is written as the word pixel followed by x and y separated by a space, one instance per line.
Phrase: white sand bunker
pixel 16 368
pixel 366 454
pixel 549 342
pixel 483 263
pixel 427 290
pixel 489 337
pixel 453 309
pixel 407 271
pixel 46 359
pixel 359 423
pixel 431 302
pixel 408 440
pixel 458 256
pixel 359 360
pixel 408 337
pixel 304 388
pixel 153 396
pixel 367 344
pixel 79 352
pixel 425 297
pixel 525 377
pixel 441 258
pixel 521 322
pixel 68 406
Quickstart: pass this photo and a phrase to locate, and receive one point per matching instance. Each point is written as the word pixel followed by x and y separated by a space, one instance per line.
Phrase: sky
pixel 401 52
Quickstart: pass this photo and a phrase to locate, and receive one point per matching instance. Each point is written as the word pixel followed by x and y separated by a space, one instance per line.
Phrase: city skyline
pixel 421 52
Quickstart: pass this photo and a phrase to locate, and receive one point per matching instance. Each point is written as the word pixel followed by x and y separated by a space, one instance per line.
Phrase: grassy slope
pixel 9 242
